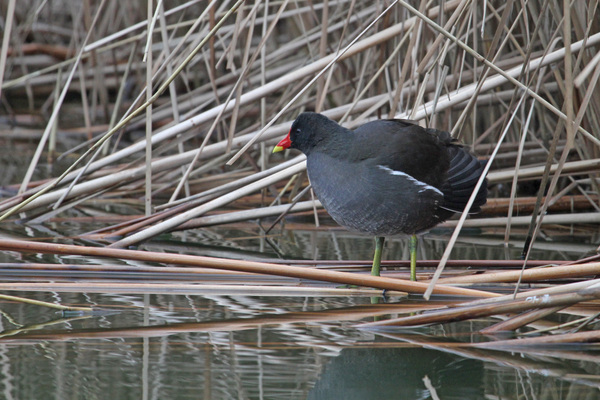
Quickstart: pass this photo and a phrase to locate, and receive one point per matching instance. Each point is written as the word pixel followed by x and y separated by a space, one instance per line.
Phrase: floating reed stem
pixel 462 313
pixel 242 266
pixel 529 275
pixel 521 320
pixel 549 340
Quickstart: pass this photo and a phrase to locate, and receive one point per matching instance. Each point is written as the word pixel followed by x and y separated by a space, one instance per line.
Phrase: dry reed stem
pixel 529 275
pixel 56 110
pixel 549 340
pixel 202 209
pixel 521 320
pixel 462 313
pixel 233 324
pixel 43 303
pixel 243 266
pixel 185 288
pixel 97 145
pixel 8 21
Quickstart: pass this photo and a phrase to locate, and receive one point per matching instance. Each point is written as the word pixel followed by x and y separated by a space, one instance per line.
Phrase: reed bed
pixel 178 125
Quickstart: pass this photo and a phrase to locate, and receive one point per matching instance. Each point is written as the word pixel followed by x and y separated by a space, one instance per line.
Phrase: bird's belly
pixel 370 201
pixel 381 220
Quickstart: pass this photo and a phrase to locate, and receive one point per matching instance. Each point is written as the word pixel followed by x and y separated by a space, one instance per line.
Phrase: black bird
pixel 386 177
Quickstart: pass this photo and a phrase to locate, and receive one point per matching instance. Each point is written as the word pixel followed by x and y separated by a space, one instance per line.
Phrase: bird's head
pixel 308 131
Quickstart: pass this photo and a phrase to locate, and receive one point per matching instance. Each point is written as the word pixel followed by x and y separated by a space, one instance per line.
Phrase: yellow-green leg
pixel 412 247
pixel 377 257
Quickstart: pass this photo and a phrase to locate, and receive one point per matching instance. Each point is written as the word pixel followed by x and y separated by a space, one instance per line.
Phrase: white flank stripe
pixel 410 178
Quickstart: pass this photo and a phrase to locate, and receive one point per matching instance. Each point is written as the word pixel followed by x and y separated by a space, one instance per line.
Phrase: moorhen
pixel 386 177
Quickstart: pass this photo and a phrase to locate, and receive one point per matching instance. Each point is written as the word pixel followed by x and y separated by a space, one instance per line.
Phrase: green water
pixel 235 347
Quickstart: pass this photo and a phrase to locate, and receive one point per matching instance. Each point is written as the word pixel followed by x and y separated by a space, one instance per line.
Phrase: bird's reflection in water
pixel 399 373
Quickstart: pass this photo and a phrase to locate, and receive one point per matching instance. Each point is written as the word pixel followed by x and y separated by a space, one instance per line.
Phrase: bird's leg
pixel 377 257
pixel 412 247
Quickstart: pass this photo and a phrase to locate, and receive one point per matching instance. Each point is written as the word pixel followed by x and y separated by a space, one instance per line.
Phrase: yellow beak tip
pixel 277 149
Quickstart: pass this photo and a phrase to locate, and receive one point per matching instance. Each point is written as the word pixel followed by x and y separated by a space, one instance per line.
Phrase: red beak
pixel 285 143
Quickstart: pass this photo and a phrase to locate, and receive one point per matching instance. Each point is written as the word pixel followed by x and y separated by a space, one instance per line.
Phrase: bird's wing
pixel 401 145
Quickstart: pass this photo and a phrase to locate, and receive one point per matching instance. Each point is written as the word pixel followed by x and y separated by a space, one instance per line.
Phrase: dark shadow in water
pixel 398 373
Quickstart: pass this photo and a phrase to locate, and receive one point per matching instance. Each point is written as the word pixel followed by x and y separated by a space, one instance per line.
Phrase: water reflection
pixel 240 347
pixel 399 373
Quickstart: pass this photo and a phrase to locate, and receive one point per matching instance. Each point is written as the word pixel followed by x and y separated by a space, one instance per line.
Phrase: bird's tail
pixel 465 170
